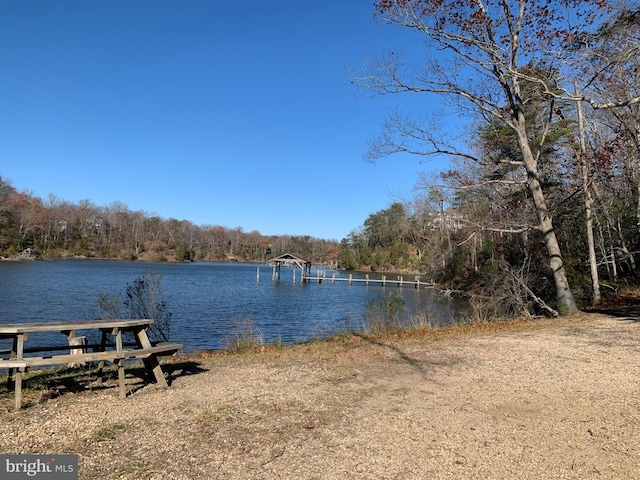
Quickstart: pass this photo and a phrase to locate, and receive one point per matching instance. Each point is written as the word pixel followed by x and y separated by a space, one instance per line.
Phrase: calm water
pixel 209 301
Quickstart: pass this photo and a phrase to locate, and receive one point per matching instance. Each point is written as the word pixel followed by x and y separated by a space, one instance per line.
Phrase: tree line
pixel 53 228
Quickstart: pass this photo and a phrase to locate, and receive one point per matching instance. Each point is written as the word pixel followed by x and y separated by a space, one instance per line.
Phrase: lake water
pixel 209 302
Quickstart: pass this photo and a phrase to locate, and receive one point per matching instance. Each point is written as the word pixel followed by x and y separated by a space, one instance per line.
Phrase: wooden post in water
pixel 384 280
pixel 399 281
pixel 258 275
pixel 333 278
pixel 366 279
pixel 319 280
pixel 350 278
pixel 294 275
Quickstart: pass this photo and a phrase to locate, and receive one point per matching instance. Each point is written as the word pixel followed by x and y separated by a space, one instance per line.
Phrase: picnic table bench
pixel 111 348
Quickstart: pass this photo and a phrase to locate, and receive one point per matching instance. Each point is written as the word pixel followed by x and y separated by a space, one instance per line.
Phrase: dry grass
pixel 246 345
pixel 522 399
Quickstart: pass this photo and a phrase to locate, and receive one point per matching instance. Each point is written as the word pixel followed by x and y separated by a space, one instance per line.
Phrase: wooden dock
pixel 383 281
pixel 296 262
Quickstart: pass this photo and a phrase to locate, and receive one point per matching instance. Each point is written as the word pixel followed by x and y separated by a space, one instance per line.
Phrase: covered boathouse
pixel 290 260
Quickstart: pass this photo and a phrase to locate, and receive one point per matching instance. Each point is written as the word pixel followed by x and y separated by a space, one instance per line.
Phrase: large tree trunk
pixel 564 297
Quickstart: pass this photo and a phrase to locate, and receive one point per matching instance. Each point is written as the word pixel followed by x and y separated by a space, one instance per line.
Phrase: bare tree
pixel 485 50
pixel 588 204
pixel 615 81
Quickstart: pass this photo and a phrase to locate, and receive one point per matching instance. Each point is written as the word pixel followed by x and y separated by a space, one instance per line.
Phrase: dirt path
pixel 554 400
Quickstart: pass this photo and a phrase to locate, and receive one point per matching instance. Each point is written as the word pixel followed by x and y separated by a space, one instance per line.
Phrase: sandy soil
pixel 538 400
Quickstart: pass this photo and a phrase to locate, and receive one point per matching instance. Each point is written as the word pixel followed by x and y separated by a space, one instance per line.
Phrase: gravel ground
pixel 546 399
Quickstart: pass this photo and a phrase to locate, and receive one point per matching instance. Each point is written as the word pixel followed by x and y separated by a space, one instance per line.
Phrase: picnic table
pixel 111 348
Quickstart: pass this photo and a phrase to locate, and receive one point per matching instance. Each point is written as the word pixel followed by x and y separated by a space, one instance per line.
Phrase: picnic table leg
pixel 18 388
pixel 18 345
pixel 121 373
pixel 102 348
pixel 151 363
pixel 14 376
pixel 10 385
pixel 121 382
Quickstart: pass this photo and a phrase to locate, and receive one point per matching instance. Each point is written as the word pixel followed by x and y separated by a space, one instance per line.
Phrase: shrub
pixel 246 337
pixel 142 300
pixel 385 313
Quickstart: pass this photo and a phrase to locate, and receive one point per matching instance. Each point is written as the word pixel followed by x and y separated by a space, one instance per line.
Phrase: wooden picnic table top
pixel 18 328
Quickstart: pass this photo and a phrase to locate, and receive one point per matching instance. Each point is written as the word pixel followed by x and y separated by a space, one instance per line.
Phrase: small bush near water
pixel 245 337
pixel 384 314
pixel 142 300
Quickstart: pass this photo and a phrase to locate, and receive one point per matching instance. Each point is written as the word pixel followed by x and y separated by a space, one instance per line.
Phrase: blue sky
pixel 238 114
